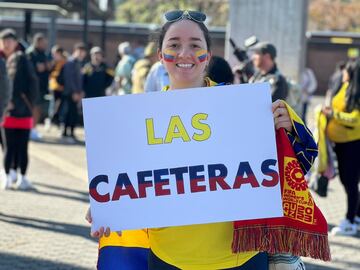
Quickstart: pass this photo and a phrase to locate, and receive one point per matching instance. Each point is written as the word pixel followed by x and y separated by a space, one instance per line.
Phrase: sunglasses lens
pixel 173 15
pixel 197 16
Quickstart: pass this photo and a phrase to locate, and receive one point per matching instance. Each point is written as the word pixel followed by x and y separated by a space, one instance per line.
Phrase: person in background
pixel 308 84
pixel 138 49
pixel 73 92
pixel 157 78
pixel 124 68
pixel 56 84
pixel 263 57
pixel 18 119
pixel 97 76
pixel 220 71
pixel 335 82
pixel 42 65
pixel 5 95
pixel 343 129
pixel 142 67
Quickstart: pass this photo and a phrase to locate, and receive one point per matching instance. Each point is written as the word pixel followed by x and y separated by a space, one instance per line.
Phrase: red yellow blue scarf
pixel 302 231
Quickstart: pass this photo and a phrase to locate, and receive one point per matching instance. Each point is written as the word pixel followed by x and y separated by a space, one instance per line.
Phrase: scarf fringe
pixel 281 239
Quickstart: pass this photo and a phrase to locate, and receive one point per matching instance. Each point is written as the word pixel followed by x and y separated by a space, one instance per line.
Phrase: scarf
pixel 302 231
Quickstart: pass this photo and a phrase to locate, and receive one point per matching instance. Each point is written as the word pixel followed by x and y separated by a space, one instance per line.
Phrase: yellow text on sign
pixel 176 130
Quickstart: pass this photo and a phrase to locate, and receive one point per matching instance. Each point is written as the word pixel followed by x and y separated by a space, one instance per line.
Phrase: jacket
pixel 24 83
pixel 279 87
pixel 5 92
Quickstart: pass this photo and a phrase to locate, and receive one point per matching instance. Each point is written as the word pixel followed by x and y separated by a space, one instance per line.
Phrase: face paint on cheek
pixel 169 55
pixel 201 54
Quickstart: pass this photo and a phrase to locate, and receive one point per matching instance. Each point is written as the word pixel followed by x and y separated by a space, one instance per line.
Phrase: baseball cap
pixel 8 33
pixel 265 47
pixel 95 50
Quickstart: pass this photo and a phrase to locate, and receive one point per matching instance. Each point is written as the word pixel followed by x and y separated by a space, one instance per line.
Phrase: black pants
pixel 70 114
pixel 258 262
pixel 16 148
pixel 56 108
pixel 348 155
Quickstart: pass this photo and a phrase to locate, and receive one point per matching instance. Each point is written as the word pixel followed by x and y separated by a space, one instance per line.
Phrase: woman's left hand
pixel 281 115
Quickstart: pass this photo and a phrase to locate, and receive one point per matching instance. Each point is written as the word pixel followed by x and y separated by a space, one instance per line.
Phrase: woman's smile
pixel 184 65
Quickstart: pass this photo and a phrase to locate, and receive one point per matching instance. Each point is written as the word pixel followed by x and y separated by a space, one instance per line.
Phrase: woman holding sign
pixel 184 48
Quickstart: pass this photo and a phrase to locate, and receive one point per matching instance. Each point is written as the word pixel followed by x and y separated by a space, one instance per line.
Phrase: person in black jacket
pixel 264 55
pixel 4 88
pixel 41 61
pixel 96 75
pixel 73 91
pixel 4 99
pixel 18 119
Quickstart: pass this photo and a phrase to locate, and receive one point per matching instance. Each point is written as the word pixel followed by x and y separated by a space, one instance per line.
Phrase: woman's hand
pixel 281 115
pixel 101 232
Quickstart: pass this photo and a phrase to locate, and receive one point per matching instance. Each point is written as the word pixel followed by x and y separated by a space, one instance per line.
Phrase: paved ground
pixel 46 229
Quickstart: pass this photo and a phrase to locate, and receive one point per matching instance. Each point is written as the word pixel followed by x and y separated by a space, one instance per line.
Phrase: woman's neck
pixel 187 84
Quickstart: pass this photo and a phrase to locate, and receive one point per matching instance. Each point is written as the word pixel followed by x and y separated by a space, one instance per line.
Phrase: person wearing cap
pixel 142 67
pixel 41 61
pixel 264 54
pixel 18 120
pixel 124 68
pixel 97 76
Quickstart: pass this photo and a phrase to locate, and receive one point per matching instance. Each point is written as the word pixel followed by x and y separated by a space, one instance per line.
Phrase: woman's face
pixel 185 54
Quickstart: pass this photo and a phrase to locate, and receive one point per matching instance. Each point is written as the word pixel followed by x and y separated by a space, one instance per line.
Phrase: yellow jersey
pixel 343 126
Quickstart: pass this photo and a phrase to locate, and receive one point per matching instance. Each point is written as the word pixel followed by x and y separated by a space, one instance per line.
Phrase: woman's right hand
pixel 101 232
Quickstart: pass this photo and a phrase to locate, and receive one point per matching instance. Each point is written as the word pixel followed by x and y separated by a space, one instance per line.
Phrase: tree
pixel 341 15
pixel 151 11
pixel 334 15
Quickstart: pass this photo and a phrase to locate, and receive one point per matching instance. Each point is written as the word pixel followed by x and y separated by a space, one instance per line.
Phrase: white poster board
pixel 182 157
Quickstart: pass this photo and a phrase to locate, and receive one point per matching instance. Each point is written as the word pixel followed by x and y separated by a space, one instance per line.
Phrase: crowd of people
pixel 181 58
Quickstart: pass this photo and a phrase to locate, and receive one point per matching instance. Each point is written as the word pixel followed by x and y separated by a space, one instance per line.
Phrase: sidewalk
pixel 46 229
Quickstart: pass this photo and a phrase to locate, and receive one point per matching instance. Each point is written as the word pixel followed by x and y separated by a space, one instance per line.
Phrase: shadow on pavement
pixel 17 262
pixel 77 195
pixel 82 193
pixel 35 223
pixel 59 195
pixel 57 141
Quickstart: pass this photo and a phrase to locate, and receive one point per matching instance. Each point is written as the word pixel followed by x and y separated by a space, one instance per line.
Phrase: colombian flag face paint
pixel 201 55
pixel 169 55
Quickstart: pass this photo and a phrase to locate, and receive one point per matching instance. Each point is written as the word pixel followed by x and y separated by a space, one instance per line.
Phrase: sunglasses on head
pixel 177 15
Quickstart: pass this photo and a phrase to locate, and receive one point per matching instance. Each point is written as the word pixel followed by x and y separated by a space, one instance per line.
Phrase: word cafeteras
pixel 196 178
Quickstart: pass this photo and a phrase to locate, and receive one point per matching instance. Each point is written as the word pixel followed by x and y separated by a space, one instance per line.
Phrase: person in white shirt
pixel 308 85
pixel 157 78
